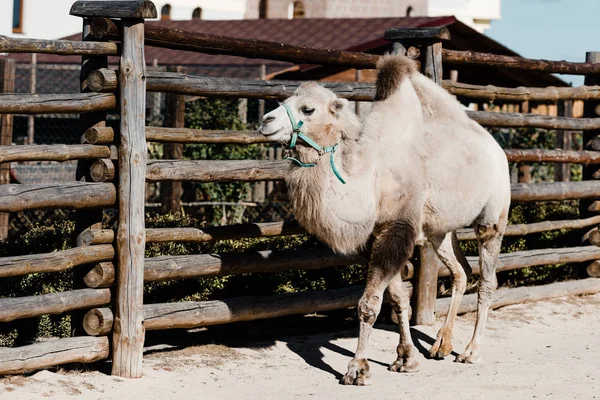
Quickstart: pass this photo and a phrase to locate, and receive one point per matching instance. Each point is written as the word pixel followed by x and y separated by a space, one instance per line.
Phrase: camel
pixel 417 169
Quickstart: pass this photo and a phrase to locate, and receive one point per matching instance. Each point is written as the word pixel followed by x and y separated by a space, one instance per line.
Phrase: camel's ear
pixel 335 106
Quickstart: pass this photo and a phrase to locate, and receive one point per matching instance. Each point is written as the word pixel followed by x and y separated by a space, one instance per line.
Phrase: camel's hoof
pixel 358 374
pixel 439 354
pixel 404 366
pixel 468 359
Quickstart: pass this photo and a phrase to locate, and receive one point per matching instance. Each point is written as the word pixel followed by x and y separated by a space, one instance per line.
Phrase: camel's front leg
pixel 489 249
pixel 393 246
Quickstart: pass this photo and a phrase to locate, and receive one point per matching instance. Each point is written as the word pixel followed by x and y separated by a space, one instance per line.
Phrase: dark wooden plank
pixel 114 8
pixel 591 138
pixel 58 47
pixel 417 34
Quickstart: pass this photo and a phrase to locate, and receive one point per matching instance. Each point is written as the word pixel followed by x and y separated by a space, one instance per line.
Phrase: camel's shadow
pixel 306 336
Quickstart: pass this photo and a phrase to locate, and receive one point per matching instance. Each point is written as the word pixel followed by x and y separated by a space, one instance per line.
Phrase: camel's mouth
pixel 270 133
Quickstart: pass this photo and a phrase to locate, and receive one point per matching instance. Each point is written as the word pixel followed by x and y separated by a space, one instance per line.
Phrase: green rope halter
pixel 296 133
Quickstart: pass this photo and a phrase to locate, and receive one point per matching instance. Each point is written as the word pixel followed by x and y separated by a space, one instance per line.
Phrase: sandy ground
pixel 547 349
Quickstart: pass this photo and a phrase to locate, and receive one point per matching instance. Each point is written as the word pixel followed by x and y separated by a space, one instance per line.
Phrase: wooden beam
pixel 7 85
pixel 521 93
pixel 250 48
pixel 188 135
pixel 593 269
pixel 114 8
pixel 72 195
pixel 98 321
pixel 555 191
pixel 101 276
pixel 558 156
pixel 524 64
pixel 216 170
pixel 99 135
pixel 128 334
pixel 58 47
pixel 17 360
pixel 102 170
pixel 54 262
pixel 56 103
pixel 417 34
pixel 53 303
pixel 531 120
pixel 52 152
pixel 95 236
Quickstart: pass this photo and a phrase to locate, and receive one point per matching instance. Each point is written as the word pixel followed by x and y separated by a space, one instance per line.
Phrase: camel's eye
pixel 307 110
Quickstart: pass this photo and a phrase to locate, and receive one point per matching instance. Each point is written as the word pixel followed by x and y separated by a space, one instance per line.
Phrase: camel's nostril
pixel 268 119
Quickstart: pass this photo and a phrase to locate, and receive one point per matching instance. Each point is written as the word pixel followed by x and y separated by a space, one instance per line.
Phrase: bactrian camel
pixel 417 169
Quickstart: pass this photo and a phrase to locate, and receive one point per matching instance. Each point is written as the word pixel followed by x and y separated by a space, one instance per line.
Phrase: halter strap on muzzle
pixel 296 133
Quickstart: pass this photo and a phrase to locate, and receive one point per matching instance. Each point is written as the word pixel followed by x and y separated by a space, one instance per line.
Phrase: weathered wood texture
pixel 419 35
pixel 188 135
pixel 225 45
pixel 563 140
pixel 52 152
pixel 532 258
pixel 192 314
pixel 114 8
pixel 506 297
pixel 561 156
pixel 128 333
pixel 98 321
pixel 593 269
pixel 216 170
pixel 102 170
pixel 524 64
pixel 526 229
pixel 210 233
pixel 56 103
pixel 531 120
pixel 555 191
pixel 521 93
pixel 59 47
pixel 16 360
pixel 7 85
pixel 52 303
pixel 594 237
pixel 99 135
pixel 72 195
pixel 101 275
pixel 171 192
pixel 189 266
pixel 590 138
pixel 95 236
pixel 54 262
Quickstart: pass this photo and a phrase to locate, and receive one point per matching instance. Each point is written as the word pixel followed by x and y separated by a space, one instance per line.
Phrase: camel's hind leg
pixel 452 256
pixel 393 246
pixel 489 237
pixel 406 361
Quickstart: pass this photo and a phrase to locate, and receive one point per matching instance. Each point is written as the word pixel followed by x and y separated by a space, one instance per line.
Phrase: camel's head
pixel 320 111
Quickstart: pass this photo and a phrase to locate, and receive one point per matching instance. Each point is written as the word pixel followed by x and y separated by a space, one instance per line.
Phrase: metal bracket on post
pixel 429 41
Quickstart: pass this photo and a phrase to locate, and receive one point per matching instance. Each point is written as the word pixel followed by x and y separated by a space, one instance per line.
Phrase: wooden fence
pixel 110 266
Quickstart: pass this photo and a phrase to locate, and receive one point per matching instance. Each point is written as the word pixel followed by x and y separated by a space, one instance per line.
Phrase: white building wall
pixel 475 13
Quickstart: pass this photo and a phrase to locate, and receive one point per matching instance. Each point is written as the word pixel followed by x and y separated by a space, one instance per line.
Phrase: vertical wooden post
pixel 7 85
pixel 562 171
pixel 32 90
pixel 589 111
pixel 171 192
pixel 430 42
pixel 86 218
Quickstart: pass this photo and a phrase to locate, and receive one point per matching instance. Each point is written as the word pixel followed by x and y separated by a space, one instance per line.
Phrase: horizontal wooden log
pixel 417 34
pixel 523 64
pixel 210 233
pixel 517 120
pixel 216 171
pixel 102 170
pixel 593 270
pixel 56 261
pixel 99 135
pixel 90 237
pixel 53 152
pixel 558 156
pixel 101 276
pixel 594 237
pixel 536 227
pixel 532 258
pixel 187 135
pixel 83 349
pixel 555 191
pixel 72 195
pixel 521 93
pixel 114 8
pixel 191 266
pixel 58 47
pixel 192 314
pixel 98 321
pixel 595 206
pixel 56 103
pixel 52 303
pixel 249 48
pixel 506 297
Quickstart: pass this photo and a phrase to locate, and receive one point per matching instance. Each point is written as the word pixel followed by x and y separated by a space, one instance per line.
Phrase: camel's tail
pixel 391 69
